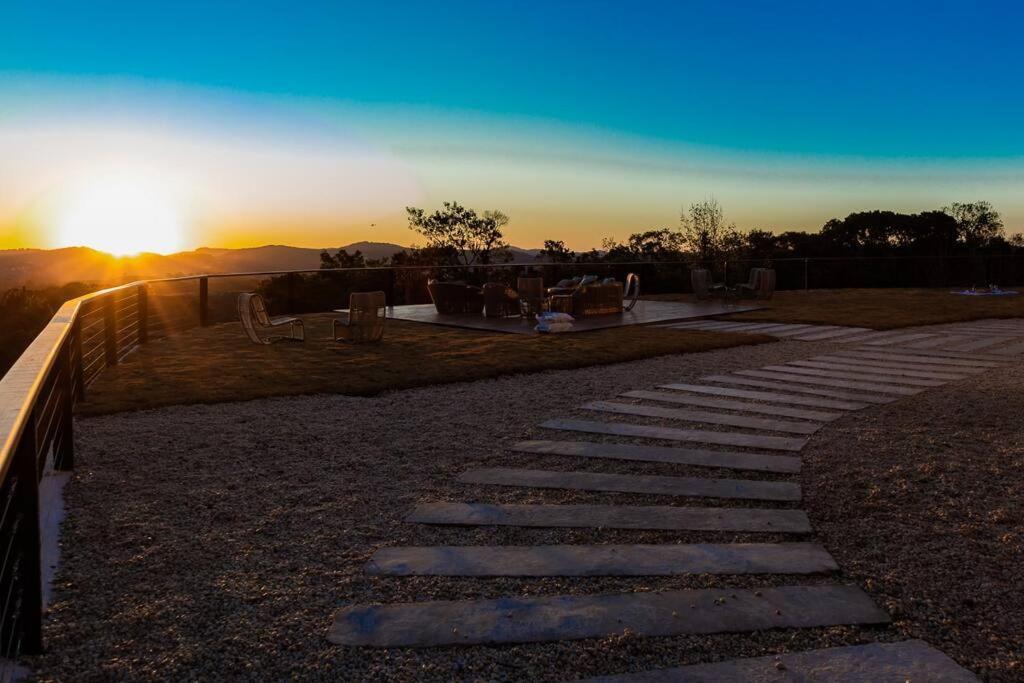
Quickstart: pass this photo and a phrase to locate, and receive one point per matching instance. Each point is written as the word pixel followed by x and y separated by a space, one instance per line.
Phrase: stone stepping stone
pixel 942 354
pixel 733 327
pixel 795 330
pixel 573 617
pixel 952 363
pixel 910 660
pixel 1013 350
pixel 832 334
pixel 958 370
pixel 828 382
pixel 851 366
pixel 694 487
pixel 702 416
pixel 898 339
pixel 799 389
pixel 860 338
pixel 603 560
pixel 939 340
pixel 749 328
pixel 772 328
pixel 706 324
pixel 760 462
pixel 769 396
pixel 661 517
pixel 989 331
pixel 740 406
pixel 859 376
pixel 982 343
pixel 774 443
pixel 683 326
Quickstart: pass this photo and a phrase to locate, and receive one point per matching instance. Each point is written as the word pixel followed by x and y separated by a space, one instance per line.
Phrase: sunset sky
pixel 163 126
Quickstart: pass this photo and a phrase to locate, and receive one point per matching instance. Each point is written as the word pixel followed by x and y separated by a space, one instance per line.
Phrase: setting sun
pixel 121 217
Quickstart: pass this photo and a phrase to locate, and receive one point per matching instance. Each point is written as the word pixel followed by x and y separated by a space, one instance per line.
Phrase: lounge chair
pixel 500 301
pixel 366 316
pixel 703 288
pixel 761 284
pixel 252 313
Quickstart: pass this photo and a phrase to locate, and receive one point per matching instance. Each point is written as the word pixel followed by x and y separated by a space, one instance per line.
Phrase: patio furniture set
pixel 580 297
pixel 364 323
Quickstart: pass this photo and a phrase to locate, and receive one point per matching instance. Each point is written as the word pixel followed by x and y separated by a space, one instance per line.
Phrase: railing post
pixel 26 499
pixel 805 275
pixel 204 302
pixel 110 329
pixel 143 308
pixel 290 296
pixel 65 458
pixel 389 295
pixel 77 370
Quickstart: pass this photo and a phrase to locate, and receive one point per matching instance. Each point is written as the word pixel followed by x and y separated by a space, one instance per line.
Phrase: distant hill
pixel 45 267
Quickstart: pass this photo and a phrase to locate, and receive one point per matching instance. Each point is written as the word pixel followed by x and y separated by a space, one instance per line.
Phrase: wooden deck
pixel 644 313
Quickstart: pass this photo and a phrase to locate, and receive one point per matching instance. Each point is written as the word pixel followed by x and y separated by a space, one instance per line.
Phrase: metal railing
pixel 37 397
pixel 96 331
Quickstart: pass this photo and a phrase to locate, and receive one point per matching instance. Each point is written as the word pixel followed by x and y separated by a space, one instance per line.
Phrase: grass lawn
pixel 880 309
pixel 214 364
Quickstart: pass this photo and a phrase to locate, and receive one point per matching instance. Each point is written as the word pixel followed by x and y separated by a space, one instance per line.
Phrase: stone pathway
pixel 909 661
pixel 798 397
pixel 1000 337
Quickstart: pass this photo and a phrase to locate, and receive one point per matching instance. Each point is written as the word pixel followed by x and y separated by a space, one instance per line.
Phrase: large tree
pixel 555 251
pixel 705 234
pixel 459 233
pixel 978 223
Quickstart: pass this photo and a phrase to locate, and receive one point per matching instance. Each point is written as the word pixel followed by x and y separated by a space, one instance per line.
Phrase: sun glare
pixel 121 217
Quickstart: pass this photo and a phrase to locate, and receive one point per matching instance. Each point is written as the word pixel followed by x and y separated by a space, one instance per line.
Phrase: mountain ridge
pixel 47 267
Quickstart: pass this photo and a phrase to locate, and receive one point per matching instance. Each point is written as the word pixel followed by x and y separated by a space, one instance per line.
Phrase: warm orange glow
pixel 121 216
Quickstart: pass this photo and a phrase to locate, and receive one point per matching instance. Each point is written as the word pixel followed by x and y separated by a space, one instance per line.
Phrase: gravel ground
pixel 218 541
pixel 923 504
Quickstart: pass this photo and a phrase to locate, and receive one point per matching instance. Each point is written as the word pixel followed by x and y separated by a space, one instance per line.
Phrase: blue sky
pixel 936 88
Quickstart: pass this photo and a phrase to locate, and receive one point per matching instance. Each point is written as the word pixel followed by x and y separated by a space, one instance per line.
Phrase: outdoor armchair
pixel 761 284
pixel 455 298
pixel 703 287
pixel 367 312
pixel 252 313
pixel 500 301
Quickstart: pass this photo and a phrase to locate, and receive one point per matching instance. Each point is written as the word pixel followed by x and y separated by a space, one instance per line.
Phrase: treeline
pixel 457 236
pixel 703 236
pixel 459 240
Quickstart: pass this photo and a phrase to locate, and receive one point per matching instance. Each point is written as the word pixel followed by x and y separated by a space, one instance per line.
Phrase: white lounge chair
pixel 252 313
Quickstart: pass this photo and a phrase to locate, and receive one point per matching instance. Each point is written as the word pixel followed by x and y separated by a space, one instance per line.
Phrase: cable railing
pixel 94 332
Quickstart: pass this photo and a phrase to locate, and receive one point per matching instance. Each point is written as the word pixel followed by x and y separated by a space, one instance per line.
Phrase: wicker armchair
pixel 531 294
pixel 455 298
pixel 366 316
pixel 500 301
pixel 598 298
